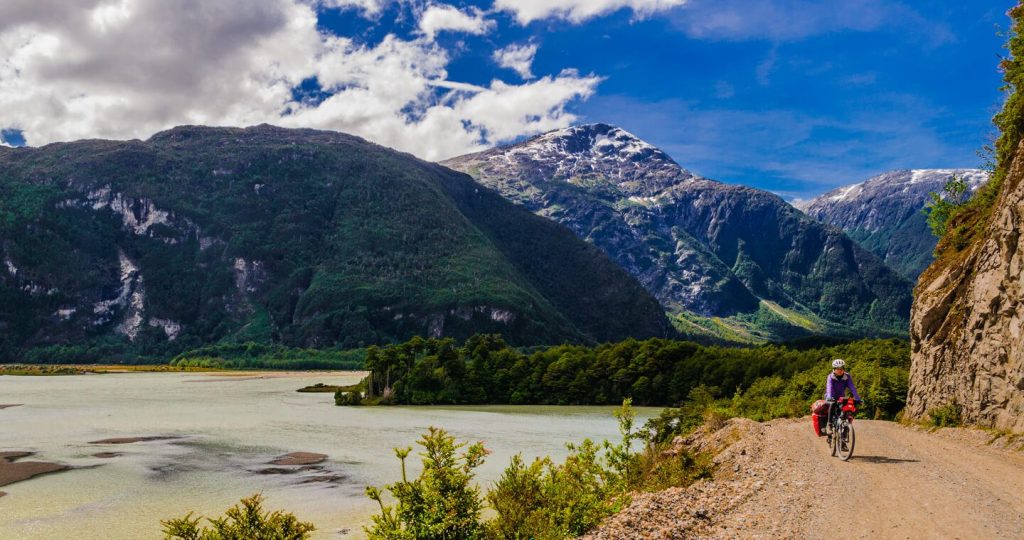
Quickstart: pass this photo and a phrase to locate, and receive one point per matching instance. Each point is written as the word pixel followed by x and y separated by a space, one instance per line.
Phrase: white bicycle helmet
pixel 838 363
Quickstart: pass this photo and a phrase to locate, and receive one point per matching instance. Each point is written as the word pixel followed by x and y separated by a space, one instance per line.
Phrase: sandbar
pixel 12 470
pixel 299 458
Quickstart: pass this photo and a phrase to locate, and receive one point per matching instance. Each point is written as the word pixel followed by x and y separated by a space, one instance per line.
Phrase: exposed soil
pixel 777 480
pixel 9 405
pixel 106 455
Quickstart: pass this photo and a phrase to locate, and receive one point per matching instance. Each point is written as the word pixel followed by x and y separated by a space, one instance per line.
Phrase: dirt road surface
pixel 779 481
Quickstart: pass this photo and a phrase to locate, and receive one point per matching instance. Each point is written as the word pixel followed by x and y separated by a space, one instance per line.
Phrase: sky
pixel 792 96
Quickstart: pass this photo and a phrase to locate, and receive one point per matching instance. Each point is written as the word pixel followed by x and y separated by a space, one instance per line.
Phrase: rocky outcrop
pixel 967 346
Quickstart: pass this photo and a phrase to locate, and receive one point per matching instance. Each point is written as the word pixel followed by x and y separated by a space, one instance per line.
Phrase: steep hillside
pixel 967 349
pixel 885 214
pixel 967 345
pixel 725 260
pixel 294 236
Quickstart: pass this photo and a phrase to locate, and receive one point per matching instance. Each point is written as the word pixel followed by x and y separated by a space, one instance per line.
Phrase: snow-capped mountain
pixel 598 155
pixel 884 213
pixel 705 249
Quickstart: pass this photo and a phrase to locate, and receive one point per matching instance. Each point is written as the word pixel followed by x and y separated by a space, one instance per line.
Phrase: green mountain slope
pixel 300 237
pixel 726 261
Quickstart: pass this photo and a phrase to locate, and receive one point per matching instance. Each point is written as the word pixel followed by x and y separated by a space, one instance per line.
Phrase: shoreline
pixel 46 370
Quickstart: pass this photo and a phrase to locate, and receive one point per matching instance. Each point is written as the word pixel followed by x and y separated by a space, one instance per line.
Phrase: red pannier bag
pixel 819 415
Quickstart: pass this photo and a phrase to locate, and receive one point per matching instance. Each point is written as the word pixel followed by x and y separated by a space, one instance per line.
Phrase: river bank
pixel 217 435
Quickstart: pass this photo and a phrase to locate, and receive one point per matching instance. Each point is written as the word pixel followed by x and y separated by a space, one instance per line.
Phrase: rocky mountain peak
pixel 598 157
pixel 706 250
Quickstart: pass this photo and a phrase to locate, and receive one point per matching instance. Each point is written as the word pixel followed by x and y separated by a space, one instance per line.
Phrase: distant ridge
pixel 884 213
pixel 726 260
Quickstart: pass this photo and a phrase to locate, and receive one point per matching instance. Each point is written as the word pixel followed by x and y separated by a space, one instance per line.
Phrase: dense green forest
pixel 765 381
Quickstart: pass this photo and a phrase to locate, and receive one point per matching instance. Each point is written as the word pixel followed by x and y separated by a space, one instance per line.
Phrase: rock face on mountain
pixel 885 214
pixel 728 260
pixel 966 338
pixel 300 237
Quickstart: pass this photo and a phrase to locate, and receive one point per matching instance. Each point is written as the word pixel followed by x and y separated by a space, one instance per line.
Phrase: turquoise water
pixel 229 426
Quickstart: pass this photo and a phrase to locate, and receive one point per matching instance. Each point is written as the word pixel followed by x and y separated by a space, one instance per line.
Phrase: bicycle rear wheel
pixel 845 440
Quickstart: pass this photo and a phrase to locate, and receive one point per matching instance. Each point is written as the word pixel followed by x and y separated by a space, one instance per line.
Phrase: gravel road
pixel 779 481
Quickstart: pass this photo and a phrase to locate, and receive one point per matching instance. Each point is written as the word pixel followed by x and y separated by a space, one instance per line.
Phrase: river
pixel 226 429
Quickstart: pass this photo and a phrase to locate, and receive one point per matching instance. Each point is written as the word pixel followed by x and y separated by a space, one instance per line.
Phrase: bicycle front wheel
pixel 845 441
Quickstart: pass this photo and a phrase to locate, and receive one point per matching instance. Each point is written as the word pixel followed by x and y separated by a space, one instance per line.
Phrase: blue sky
pixel 792 96
pixel 793 103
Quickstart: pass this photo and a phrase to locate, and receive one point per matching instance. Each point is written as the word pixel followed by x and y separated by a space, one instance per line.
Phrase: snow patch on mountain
pixel 885 212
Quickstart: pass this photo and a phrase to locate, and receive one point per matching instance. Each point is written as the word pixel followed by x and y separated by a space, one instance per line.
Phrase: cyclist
pixel 838 382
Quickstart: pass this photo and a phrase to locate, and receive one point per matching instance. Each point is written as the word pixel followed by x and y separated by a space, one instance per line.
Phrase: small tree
pixel 943 207
pixel 442 503
pixel 244 521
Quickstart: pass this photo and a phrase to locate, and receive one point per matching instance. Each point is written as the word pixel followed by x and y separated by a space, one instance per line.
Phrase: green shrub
pixel 348 398
pixel 244 521
pixel 540 500
pixel 947 415
pixel 442 503
pixel 944 206
pixel 546 500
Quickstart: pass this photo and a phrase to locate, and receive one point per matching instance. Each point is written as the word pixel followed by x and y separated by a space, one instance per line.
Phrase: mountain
pixel 725 260
pixel 967 349
pixel 306 238
pixel 885 214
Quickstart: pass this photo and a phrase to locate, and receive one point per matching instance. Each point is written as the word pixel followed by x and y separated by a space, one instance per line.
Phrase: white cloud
pixel 578 11
pixel 440 17
pixel 73 69
pixel 518 58
pixel 368 7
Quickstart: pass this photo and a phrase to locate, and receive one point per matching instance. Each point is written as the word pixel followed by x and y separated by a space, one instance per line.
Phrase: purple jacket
pixel 835 388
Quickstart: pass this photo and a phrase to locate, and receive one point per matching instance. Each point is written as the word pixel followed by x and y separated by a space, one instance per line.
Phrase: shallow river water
pixel 228 427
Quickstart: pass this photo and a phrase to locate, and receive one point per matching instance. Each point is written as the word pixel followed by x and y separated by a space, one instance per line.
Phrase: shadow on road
pixel 882 459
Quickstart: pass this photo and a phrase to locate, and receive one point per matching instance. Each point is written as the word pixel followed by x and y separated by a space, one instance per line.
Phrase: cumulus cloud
pixel 578 11
pixel 72 69
pixel 518 58
pixel 440 17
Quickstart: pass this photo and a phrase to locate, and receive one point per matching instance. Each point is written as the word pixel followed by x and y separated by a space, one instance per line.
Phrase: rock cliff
pixel 966 338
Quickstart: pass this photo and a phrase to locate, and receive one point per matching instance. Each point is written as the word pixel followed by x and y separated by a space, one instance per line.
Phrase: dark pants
pixel 834 410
